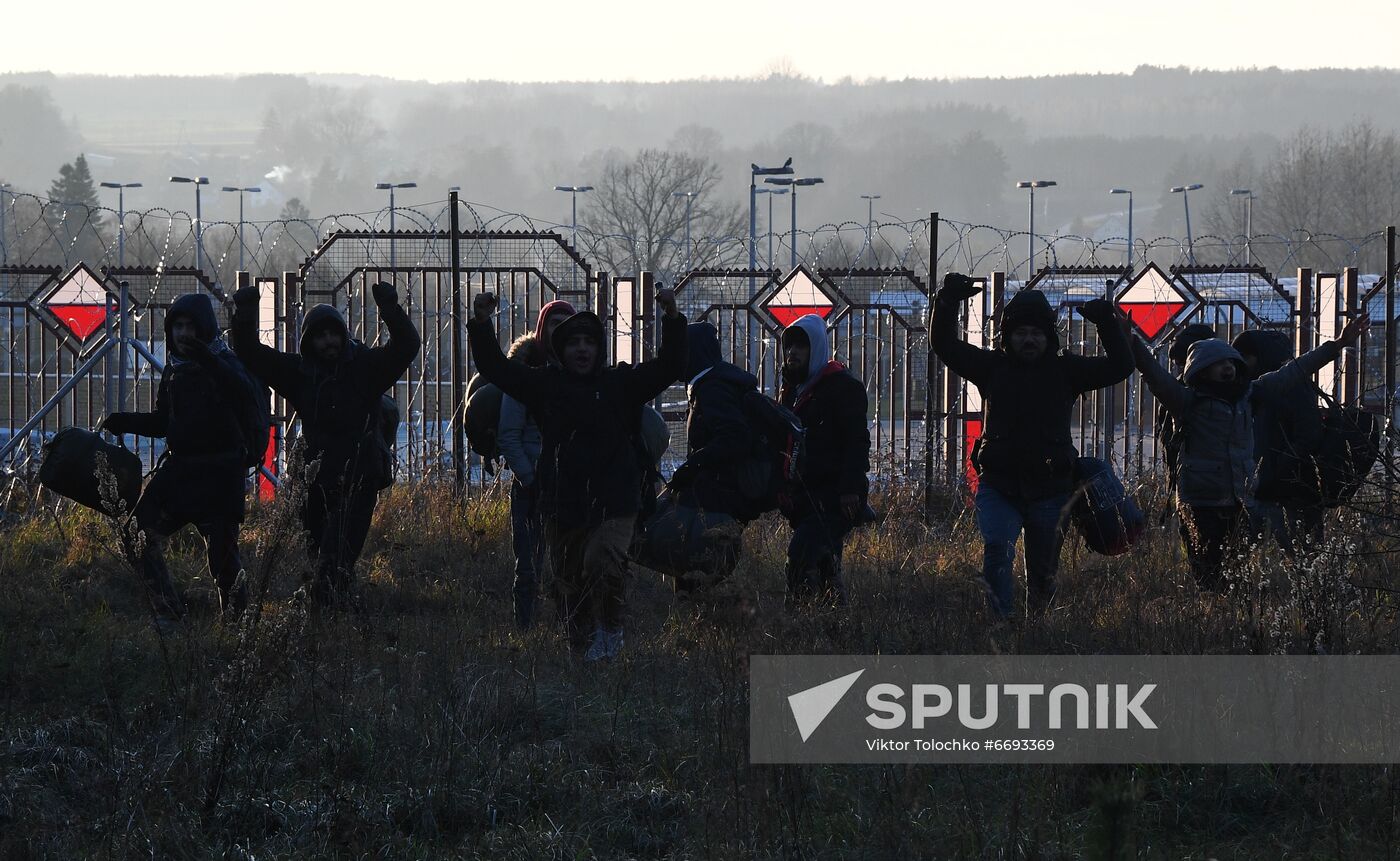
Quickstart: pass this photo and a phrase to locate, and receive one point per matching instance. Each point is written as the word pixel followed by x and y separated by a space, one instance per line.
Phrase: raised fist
pixel 957 288
pixel 666 301
pixel 484 305
pixel 247 295
pixel 385 293
pixel 1100 312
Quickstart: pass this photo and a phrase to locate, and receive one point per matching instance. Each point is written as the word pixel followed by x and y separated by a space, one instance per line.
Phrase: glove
pixel 684 475
pixel 247 295
pixel 957 288
pixel 385 293
pixel 115 424
pixel 1100 312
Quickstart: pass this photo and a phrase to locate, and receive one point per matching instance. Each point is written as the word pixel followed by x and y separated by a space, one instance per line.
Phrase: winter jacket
pixel 1026 450
pixel 719 441
pixel 197 410
pixel 1287 424
pixel 590 466
pixel 1215 463
pixel 338 403
pixel 517 433
pixel 832 406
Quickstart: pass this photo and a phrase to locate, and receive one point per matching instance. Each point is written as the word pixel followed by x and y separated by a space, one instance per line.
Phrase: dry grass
pixel 423 726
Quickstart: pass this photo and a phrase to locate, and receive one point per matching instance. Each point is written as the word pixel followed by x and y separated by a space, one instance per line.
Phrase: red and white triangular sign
pixel 1156 302
pixel 797 296
pixel 80 302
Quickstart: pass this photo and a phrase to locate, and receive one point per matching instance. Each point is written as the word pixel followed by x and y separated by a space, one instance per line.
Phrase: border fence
pixel 83 296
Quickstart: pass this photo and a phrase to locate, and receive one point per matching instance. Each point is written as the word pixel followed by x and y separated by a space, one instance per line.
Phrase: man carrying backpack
pixel 829 498
pixel 724 464
pixel 336 385
pixel 1163 424
pixel 205 408
pixel 1288 433
pixel 1025 457
pixel 590 467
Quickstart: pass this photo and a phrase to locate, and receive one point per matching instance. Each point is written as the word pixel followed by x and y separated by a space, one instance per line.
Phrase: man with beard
pixel 1213 407
pixel 830 494
pixel 1025 457
pixel 336 385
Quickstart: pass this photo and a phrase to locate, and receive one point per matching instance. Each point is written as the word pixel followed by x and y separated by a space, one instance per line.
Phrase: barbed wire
pixel 37 231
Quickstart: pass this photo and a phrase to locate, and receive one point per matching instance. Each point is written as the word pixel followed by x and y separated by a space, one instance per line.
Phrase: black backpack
pixel 1351 443
pixel 780 446
pixel 254 418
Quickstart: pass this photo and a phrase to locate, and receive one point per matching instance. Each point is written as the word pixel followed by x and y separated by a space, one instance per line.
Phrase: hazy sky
pixel 546 40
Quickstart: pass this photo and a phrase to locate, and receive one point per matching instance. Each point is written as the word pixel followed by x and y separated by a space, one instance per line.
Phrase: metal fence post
pixel 1303 313
pixel 123 335
pixel 459 448
pixel 930 378
pixel 1390 263
pixel 1355 359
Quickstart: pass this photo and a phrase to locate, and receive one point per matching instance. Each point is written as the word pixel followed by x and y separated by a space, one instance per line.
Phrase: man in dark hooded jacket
pixel 830 497
pixel 1164 424
pixel 518 440
pixel 336 385
pixel 720 445
pixel 1025 457
pixel 1287 435
pixel 203 395
pixel 590 466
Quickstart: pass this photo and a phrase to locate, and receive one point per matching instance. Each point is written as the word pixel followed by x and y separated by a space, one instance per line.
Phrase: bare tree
pixel 636 217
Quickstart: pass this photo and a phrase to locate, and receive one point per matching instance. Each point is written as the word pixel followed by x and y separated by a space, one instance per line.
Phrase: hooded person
pixel 1288 431
pixel 1213 406
pixel 1025 457
pixel 201 401
pixel 833 484
pixel 720 444
pixel 518 439
pixel 590 466
pixel 335 385
pixel 1162 423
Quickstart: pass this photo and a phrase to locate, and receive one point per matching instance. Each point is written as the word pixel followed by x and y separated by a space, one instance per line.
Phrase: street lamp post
pixel 1249 199
pixel 253 189
pixel 870 222
pixel 121 188
pixel 1185 192
pixel 689 196
pixel 771 192
pixel 393 240
pixel 754 172
pixel 1032 185
pixel 1129 193
pixel 574 191
pixel 197 181
pixel 794 184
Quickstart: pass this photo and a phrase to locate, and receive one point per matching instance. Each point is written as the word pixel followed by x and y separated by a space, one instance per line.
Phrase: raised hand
pixel 484 305
pixel 666 301
pixel 385 293
pixel 957 288
pixel 1353 331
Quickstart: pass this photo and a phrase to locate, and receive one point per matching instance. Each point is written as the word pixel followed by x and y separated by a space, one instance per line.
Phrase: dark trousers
pixel 814 554
pixel 1002 519
pixel 590 576
pixel 1211 533
pixel 529 550
pixel 1296 528
pixel 337 523
pixel 221 545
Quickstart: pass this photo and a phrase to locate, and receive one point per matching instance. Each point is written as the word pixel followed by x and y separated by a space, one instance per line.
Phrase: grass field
pixel 422 726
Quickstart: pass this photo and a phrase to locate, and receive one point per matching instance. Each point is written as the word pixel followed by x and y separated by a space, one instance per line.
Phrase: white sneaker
pixel 606 645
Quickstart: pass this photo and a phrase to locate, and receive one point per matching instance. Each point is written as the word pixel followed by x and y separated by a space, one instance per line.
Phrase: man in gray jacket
pixel 1212 408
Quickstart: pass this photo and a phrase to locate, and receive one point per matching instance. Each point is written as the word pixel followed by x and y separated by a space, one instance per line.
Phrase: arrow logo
pixel 810 707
